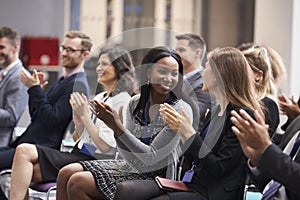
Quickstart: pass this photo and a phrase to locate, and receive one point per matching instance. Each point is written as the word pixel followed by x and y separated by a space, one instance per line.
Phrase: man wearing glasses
pixel 51 113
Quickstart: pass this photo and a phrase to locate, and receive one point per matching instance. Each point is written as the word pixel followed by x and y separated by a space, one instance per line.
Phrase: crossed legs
pixel 75 183
pixel 140 189
pixel 25 169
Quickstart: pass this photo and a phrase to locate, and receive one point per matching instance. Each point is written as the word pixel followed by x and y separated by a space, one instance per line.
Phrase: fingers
pixel 166 108
pixel 248 119
pixel 259 118
pixel 293 100
pixel 282 98
pixel 168 113
pixel 184 114
pixel 239 121
pixel 236 131
pixel 121 113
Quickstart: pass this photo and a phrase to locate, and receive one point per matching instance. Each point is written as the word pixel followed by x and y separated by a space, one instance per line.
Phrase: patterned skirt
pixel 108 173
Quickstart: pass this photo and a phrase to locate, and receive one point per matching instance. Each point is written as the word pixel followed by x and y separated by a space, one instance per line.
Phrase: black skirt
pixel 52 160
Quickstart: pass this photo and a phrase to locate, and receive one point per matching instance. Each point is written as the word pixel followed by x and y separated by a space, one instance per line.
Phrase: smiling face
pixel 164 75
pixel 106 71
pixel 71 60
pixel 7 52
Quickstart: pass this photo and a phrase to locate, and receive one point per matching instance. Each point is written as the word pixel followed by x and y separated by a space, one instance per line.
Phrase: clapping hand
pixel 37 78
pixel 288 107
pixel 179 123
pixel 109 116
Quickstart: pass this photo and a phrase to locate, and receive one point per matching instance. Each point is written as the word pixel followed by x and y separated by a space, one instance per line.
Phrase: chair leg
pixel 49 191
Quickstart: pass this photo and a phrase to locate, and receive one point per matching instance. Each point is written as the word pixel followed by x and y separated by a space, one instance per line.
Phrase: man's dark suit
pixel 200 98
pixel 13 100
pixel 274 164
pixel 50 115
pixel 293 127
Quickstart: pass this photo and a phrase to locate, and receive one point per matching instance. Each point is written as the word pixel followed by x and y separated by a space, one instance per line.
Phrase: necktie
pixel 270 193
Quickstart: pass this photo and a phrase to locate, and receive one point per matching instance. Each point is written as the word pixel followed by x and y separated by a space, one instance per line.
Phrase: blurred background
pixel 138 24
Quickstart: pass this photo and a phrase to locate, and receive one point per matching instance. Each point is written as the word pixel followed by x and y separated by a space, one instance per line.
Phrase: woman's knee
pixel 26 152
pixel 77 182
pixel 123 189
pixel 67 171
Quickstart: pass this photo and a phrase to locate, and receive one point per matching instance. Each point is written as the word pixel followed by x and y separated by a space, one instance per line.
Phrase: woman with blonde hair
pixel 258 59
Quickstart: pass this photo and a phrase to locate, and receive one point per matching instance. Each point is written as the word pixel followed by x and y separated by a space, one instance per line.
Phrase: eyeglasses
pixel 69 49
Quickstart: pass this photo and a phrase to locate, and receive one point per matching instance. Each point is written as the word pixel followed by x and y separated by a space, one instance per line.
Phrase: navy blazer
pixel 279 166
pixel 51 113
pixel 221 171
pixel 13 100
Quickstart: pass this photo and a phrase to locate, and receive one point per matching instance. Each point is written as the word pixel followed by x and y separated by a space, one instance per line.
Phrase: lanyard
pixel 93 116
pixel 146 137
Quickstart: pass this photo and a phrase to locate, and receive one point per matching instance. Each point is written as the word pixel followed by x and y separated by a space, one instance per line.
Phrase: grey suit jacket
pixel 293 127
pixel 13 100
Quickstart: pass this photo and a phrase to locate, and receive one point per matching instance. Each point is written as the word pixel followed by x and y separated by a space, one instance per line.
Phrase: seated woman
pixel 94 140
pixel 149 147
pixel 259 62
pixel 219 165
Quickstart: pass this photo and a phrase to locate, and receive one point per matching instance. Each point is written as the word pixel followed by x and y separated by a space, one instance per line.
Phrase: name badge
pixel 88 149
pixel 188 175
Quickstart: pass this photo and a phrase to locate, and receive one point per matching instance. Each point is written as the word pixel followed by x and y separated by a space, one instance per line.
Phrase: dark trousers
pixel 6 157
pixel 2 196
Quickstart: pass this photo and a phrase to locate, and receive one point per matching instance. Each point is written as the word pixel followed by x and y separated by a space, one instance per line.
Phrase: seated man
pixel 266 160
pixel 51 113
pixel 13 95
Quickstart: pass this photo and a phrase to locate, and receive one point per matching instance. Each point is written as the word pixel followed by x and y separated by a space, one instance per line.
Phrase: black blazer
pixel 279 166
pixel 221 171
pixel 51 113
pixel 293 127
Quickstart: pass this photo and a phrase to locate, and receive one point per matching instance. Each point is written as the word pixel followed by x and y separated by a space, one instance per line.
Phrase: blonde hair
pixel 233 75
pixel 258 60
pixel 278 68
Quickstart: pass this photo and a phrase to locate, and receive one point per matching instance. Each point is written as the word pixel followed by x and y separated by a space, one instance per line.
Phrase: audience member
pixel 219 165
pixel 13 95
pixel 192 50
pixel 51 113
pixel 35 163
pixel 290 108
pixel 277 65
pixel 259 62
pixel 267 161
pixel 149 147
pixel 278 68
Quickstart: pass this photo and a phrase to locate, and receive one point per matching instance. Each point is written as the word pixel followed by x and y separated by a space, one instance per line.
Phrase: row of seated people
pixel 50 112
pixel 151 144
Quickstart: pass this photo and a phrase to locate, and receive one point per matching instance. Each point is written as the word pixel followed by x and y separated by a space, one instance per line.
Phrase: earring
pixel 148 82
